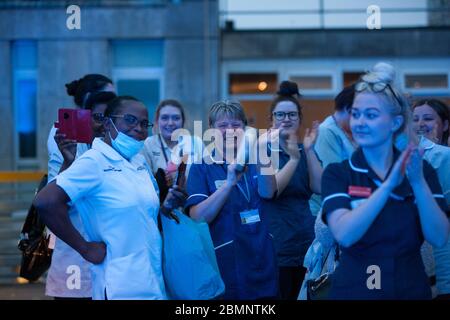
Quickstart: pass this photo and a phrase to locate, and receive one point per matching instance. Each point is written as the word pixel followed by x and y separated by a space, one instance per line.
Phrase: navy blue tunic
pixel 290 218
pixel 392 243
pixel 244 252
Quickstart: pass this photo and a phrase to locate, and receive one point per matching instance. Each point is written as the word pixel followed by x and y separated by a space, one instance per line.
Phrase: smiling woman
pixel 298 174
pixel 166 148
pixel 378 214
pixel 431 118
pixel 106 182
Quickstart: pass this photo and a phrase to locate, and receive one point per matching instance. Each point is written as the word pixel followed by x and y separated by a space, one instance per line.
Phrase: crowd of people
pixel 363 198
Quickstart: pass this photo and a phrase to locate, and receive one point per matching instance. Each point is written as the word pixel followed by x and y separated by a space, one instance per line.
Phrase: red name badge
pixel 356 191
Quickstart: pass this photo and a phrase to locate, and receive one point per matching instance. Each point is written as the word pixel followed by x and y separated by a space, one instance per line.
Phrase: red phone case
pixel 75 124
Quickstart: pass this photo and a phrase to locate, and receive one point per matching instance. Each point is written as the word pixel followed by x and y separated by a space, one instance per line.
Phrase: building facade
pixel 151 49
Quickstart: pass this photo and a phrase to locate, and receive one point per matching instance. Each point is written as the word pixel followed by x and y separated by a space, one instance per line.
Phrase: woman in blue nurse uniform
pixel 298 174
pixel 378 215
pixel 228 200
pixel 113 191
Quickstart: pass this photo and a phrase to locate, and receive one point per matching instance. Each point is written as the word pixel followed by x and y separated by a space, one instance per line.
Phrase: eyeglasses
pixel 98 117
pixel 132 121
pixel 281 115
pixel 377 87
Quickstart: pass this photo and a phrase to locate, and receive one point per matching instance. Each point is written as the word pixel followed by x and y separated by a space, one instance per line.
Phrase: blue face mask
pixel 127 146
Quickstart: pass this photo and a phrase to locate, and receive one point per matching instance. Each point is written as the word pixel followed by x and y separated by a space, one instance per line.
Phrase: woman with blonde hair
pixel 381 204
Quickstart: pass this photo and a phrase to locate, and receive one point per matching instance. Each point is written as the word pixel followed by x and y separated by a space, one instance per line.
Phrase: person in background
pixel 116 197
pixel 298 175
pixel 164 151
pixel 334 144
pixel 91 92
pixel 378 215
pixel 228 199
pixel 431 119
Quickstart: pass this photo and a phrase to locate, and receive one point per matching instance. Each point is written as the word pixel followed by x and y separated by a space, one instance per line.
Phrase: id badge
pixel 250 216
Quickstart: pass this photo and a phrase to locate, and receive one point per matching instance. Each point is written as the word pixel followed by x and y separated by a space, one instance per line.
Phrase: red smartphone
pixel 75 124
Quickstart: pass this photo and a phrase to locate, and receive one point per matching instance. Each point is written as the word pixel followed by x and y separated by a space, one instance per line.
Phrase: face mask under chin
pixel 127 146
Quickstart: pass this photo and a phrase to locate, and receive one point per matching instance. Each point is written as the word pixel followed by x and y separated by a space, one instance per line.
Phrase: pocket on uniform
pixel 134 277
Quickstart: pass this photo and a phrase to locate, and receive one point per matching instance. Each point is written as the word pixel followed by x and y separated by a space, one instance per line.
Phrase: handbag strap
pixel 163 149
pixel 336 256
pixel 32 218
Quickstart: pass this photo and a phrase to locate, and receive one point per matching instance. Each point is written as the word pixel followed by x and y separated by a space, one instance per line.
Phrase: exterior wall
pixel 440 17
pixel 189 30
pixel 336 43
pixel 6 113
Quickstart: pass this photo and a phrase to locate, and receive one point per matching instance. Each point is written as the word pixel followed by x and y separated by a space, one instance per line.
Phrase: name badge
pixel 356 191
pixel 250 216
pixel 219 183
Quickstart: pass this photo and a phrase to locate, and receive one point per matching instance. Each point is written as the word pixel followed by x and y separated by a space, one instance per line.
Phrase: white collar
pixel 111 153
pixel 426 143
pixel 108 151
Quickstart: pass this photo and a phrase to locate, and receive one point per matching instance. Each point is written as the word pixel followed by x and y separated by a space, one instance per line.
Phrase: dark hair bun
pixel 289 89
pixel 90 83
pixel 72 87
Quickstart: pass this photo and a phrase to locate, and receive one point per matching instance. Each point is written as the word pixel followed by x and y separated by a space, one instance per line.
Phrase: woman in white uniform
pixel 69 276
pixel 115 194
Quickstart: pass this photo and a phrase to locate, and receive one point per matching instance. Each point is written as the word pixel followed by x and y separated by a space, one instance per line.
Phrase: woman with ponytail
pixel 381 204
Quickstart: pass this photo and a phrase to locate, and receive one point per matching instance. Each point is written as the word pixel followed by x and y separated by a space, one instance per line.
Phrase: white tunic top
pixel 69 275
pixel 118 205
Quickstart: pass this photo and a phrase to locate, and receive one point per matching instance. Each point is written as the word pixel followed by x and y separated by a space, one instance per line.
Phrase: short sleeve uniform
pixel 392 243
pixel 290 220
pixel 118 205
pixel 64 258
pixel 244 251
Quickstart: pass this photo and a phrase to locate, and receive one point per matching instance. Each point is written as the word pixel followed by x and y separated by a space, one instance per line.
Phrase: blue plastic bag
pixel 189 261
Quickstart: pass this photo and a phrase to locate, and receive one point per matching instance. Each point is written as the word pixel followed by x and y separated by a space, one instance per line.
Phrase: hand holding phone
pixel 75 124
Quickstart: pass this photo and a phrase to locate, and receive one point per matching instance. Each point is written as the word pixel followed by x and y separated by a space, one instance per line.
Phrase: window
pixel 24 62
pixel 137 54
pixel 313 82
pixel 350 78
pixel 253 83
pixel 138 70
pixel 426 81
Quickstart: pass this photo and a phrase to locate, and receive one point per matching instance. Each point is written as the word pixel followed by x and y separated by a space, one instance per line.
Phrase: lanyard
pixel 163 149
pixel 246 193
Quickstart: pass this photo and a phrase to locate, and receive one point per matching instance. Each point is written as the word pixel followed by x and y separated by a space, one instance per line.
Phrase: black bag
pixel 34 242
pixel 319 288
pixel 160 177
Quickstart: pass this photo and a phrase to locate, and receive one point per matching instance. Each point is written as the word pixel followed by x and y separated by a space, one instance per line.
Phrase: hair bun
pixel 72 87
pixel 381 72
pixel 288 88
